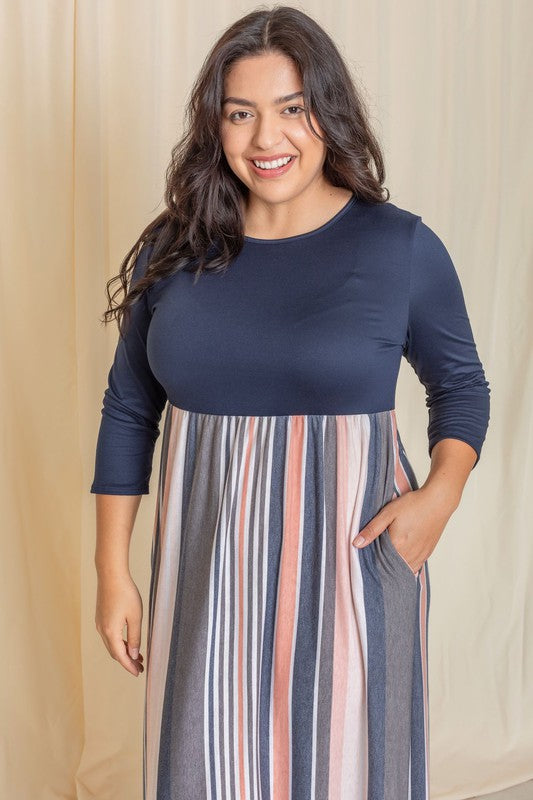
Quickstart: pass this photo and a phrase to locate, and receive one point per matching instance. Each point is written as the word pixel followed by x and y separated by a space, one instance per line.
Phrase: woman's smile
pixel 271 168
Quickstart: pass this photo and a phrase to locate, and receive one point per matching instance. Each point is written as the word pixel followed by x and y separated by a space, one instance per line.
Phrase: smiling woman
pixel 273 146
pixel 269 308
pixel 269 138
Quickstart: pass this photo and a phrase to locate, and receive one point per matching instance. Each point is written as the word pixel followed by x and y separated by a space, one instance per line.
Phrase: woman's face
pixel 257 123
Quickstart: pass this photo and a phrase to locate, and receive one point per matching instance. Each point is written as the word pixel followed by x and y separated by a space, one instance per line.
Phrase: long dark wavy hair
pixel 202 225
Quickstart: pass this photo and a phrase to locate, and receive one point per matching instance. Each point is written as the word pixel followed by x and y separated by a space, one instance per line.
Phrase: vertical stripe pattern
pixel 282 662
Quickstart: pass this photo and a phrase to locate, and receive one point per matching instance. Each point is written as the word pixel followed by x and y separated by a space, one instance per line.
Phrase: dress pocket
pixel 401 560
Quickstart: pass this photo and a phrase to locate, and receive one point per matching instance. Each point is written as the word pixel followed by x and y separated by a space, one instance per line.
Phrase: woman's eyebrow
pixel 240 101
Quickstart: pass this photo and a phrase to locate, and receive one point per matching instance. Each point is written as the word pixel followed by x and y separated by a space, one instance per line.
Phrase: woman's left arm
pixel 440 347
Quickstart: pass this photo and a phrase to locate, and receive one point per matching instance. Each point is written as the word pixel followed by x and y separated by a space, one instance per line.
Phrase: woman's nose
pixel 267 133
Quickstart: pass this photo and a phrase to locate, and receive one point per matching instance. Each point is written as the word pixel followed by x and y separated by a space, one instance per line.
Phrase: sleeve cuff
pixel 134 490
pixel 475 445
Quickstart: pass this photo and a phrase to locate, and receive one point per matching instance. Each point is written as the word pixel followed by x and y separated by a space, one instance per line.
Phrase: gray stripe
pixel 324 700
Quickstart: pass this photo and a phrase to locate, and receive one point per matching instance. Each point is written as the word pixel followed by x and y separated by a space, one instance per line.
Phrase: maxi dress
pixel 283 662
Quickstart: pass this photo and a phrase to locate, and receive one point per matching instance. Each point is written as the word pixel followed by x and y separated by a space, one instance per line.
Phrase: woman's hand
pixel 415 521
pixel 119 603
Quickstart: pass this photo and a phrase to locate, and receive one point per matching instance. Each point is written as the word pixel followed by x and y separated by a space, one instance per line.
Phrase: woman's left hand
pixel 416 521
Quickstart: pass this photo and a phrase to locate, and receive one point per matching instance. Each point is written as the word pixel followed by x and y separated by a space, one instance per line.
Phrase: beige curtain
pixel 92 96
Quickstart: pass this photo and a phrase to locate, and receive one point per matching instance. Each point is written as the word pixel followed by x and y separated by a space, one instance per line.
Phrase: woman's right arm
pixel 132 407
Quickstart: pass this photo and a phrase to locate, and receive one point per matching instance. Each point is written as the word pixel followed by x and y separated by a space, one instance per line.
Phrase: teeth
pixel 272 164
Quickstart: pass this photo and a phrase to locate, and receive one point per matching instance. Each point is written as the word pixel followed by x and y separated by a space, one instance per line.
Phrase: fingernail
pixel 359 540
pixel 134 652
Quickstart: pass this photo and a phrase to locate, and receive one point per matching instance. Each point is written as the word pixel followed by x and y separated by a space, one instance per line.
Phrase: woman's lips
pixel 272 173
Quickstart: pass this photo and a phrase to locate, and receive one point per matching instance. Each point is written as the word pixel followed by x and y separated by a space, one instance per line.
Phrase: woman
pixel 269 305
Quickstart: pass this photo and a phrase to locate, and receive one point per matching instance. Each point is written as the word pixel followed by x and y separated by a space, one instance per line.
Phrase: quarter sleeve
pixel 440 346
pixel 132 406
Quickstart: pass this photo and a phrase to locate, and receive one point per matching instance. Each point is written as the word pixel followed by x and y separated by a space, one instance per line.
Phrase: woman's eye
pixel 232 116
pixel 235 114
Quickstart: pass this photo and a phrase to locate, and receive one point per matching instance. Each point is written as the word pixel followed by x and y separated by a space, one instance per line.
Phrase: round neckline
pixel 315 231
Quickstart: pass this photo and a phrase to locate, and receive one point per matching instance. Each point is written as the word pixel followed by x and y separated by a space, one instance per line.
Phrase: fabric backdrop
pixel 92 98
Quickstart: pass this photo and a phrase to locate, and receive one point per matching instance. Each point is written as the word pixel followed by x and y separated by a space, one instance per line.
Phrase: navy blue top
pixel 315 323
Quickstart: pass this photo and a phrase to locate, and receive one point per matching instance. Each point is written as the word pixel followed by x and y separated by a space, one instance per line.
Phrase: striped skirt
pixel 282 662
